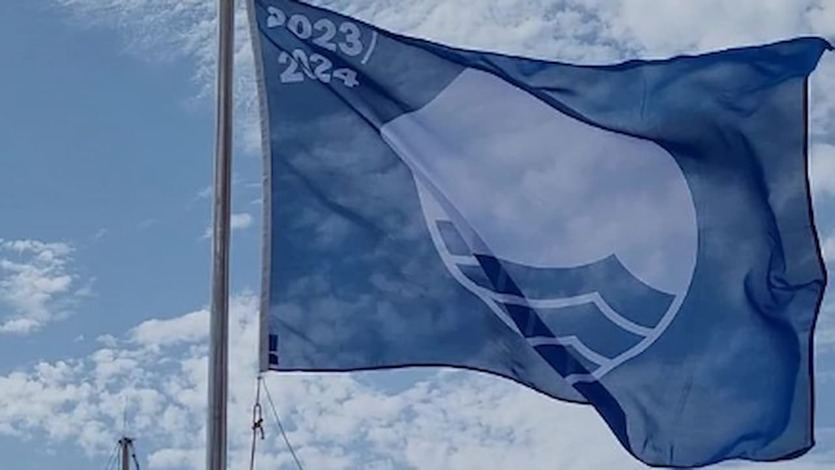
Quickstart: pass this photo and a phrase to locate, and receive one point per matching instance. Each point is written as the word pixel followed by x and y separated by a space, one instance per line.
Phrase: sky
pixel 106 128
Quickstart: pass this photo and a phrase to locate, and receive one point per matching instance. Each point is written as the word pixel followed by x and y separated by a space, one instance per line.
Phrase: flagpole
pixel 219 323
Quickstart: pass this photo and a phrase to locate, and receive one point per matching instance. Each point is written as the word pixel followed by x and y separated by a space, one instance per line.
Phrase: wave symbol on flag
pixel 580 239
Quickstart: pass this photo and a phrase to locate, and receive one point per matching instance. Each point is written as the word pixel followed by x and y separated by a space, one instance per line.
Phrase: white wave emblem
pixel 580 239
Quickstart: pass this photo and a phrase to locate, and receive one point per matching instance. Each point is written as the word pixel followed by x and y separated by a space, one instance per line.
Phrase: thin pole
pixel 219 324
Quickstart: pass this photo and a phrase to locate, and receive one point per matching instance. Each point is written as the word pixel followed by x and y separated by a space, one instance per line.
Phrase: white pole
pixel 219 324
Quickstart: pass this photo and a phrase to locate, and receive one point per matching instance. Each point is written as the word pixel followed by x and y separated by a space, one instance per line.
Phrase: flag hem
pixel 266 189
pixel 821 262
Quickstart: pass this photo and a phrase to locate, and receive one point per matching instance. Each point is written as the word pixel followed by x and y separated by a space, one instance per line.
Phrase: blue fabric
pixel 378 258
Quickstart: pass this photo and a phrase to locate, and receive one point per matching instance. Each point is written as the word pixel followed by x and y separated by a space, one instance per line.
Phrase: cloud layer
pixel 37 284
pixel 388 420
pixel 584 31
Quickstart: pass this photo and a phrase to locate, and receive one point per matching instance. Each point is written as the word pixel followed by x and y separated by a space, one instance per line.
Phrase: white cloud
pixel 676 26
pixel 828 248
pixel 37 284
pixel 237 221
pixel 188 328
pixel 586 31
pixel 825 338
pixel 822 169
pixel 170 30
pixel 825 330
pixel 451 420
pixel 158 368
pixel 107 340
pixel 241 221
pixel 204 194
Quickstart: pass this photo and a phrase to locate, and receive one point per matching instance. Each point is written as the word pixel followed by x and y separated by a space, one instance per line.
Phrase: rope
pixel 281 428
pixel 257 423
pixel 112 459
pixel 133 455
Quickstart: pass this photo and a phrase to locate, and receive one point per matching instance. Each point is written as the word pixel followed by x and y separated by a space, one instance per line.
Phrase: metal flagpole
pixel 219 324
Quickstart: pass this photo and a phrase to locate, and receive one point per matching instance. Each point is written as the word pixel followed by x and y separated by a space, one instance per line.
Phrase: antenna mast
pixel 124 444
pixel 128 453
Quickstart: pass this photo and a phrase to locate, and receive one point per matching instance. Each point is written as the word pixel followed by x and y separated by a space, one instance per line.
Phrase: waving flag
pixel 638 237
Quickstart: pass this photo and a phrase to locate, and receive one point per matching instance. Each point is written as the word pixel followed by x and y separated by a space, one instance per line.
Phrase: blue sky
pixel 105 145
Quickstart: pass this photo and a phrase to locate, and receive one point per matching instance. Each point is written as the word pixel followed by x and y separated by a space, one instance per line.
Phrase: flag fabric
pixel 638 237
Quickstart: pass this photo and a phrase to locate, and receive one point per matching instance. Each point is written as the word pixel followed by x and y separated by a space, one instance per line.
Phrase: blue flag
pixel 638 237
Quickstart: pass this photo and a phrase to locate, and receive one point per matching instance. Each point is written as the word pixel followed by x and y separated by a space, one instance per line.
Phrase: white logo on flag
pixel 521 182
